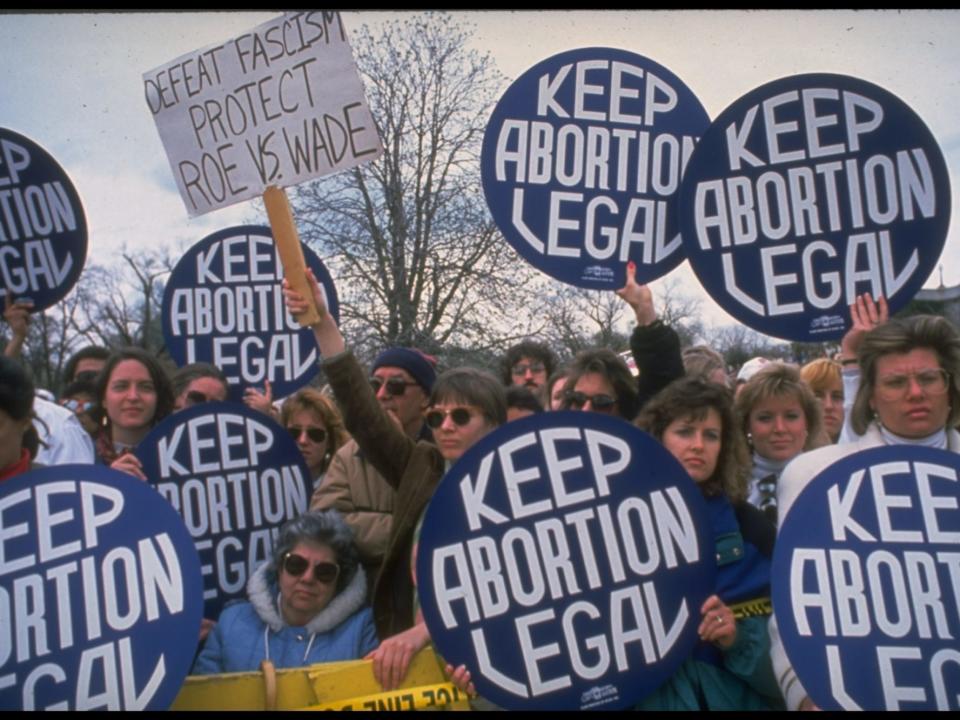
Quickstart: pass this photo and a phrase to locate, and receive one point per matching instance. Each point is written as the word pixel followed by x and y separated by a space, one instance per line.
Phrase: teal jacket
pixel 741 677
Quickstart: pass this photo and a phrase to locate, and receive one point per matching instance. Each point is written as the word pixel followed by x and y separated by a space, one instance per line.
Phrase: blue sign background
pixel 172 636
pixel 259 267
pixel 808 525
pixel 900 130
pixel 651 468
pixel 43 240
pixel 232 520
pixel 520 103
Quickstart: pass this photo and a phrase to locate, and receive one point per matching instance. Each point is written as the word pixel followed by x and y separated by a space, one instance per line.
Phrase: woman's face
pixel 456 427
pixel 778 427
pixel 910 394
pixel 11 438
pixel 695 443
pixel 830 397
pixel 301 425
pixel 303 596
pixel 131 397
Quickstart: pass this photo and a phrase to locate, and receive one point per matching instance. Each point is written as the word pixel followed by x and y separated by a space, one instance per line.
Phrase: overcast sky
pixel 73 84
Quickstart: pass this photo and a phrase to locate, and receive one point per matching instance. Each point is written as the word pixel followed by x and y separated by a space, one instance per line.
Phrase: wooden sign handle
pixel 288 246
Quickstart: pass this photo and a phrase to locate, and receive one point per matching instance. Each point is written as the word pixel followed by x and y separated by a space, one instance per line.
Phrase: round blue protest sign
pixel 564 559
pixel 99 593
pixel 866 582
pixel 581 164
pixel 807 192
pixel 223 304
pixel 43 232
pixel 235 476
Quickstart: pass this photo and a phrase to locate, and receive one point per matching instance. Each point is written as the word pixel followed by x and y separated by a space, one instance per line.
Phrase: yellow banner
pixel 437 696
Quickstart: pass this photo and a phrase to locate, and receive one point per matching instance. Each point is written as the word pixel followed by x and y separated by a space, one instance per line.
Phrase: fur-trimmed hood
pixel 263 596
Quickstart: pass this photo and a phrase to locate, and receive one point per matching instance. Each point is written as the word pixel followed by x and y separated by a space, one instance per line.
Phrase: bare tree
pixel 417 258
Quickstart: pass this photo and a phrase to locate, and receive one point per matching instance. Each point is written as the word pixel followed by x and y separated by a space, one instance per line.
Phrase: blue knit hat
pixel 413 361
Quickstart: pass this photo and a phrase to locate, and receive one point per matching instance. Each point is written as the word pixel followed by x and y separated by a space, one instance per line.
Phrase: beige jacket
pixel 354 488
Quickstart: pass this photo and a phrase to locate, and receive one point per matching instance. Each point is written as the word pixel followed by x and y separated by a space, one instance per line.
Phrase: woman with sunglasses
pixel 908 395
pixel 730 668
pixel 305 605
pixel 465 404
pixel 314 422
pixel 598 380
pixel 133 394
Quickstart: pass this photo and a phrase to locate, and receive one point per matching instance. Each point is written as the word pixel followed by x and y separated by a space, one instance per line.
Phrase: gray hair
pixel 324 527
pixel 898 336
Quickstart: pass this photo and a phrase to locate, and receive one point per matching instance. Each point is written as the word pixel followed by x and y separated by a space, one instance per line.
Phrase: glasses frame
pixel 319 575
pixel 435 418
pixel 888 394
pixel 520 370
pixel 312 433
pixel 392 384
pixel 601 402
pixel 77 407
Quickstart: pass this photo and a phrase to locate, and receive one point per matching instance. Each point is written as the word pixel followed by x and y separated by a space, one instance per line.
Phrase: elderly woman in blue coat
pixel 306 605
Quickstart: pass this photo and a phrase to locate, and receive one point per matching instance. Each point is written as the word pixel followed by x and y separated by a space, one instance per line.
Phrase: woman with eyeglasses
pixel 314 422
pixel 465 404
pixel 305 605
pixel 908 395
pixel 730 668
pixel 133 394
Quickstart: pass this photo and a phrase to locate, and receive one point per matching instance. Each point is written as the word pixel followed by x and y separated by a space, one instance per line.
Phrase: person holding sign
pixel 465 405
pixel 306 605
pixel 780 419
pixel 909 394
pixel 133 395
pixel 729 670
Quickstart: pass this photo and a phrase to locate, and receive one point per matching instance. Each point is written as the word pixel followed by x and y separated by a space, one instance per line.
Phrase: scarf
pixel 763 484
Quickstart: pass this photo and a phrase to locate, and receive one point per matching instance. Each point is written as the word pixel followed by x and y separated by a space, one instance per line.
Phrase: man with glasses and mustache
pixel 529 364
pixel 402 379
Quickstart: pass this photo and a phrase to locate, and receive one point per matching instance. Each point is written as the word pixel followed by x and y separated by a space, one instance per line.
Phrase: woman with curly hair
pixel 314 421
pixel 730 667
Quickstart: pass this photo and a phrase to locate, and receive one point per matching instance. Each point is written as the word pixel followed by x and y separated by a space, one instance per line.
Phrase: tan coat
pixel 412 468
pixel 354 488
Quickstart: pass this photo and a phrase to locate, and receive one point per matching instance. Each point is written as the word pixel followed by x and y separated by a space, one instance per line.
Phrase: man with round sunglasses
pixel 401 379
pixel 306 605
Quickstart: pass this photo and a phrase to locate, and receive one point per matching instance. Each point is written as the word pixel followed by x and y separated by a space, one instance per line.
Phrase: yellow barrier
pixel 340 685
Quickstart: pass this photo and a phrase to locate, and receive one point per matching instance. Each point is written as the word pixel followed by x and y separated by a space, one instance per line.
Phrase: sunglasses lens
pixel 295 564
pixel 576 400
pixel 195 398
pixel 376 384
pixel 435 419
pixel 325 572
pixel 603 402
pixel 318 435
pixel 461 416
pixel 396 386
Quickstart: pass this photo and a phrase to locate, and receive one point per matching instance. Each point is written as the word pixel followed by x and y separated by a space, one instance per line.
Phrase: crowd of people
pixel 340 583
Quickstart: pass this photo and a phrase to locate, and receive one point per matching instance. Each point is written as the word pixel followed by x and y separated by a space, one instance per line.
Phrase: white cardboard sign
pixel 278 105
